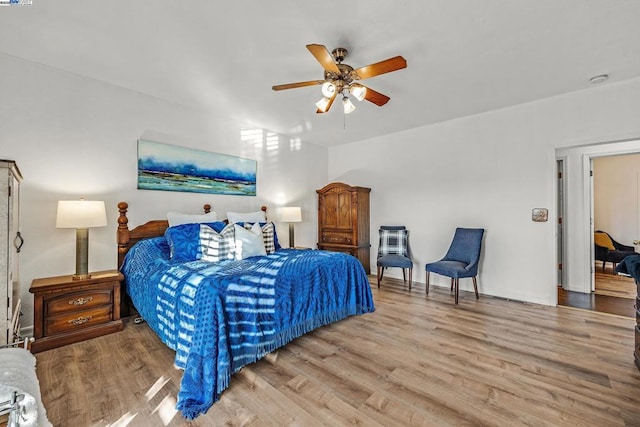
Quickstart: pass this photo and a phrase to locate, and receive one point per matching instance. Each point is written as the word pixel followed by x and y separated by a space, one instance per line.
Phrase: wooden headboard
pixel 154 228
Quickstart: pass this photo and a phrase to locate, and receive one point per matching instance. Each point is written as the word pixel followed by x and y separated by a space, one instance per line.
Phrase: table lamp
pixel 291 215
pixel 81 215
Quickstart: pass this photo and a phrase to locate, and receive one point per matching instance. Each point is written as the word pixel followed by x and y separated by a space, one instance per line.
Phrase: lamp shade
pixel 323 104
pixel 359 92
pixel 348 105
pixel 81 214
pixel 290 214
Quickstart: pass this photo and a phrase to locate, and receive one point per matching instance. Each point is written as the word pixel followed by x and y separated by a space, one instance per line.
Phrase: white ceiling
pixel 464 56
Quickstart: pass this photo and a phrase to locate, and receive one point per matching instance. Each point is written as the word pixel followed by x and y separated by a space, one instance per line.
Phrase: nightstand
pixel 67 310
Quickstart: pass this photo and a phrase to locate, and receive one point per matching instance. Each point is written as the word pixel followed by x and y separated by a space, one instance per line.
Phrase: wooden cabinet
pixel 10 244
pixel 68 310
pixel 343 221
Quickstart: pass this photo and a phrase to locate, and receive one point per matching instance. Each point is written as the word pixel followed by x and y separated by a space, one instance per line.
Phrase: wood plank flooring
pixel 614 285
pixel 614 294
pixel 414 361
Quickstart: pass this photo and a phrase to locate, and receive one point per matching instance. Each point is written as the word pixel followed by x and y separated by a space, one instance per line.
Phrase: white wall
pixel 74 137
pixel 488 170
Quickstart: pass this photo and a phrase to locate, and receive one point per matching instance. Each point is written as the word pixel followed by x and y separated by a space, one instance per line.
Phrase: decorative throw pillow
pixel 184 240
pixel 217 246
pixel 258 216
pixel 249 242
pixel 603 239
pixel 393 242
pixel 178 218
pixel 268 234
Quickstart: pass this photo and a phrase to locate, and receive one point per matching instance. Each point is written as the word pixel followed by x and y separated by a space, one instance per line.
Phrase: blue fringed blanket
pixel 630 265
pixel 220 317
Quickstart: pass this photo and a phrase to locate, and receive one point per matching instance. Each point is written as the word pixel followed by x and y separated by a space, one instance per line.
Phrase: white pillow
pixel 177 218
pixel 234 217
pixel 249 242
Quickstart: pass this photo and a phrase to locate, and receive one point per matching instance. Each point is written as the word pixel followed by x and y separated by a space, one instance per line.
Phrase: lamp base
pixel 291 236
pixel 82 254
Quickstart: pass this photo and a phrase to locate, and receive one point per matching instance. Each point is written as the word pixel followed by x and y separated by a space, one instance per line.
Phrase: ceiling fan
pixel 343 79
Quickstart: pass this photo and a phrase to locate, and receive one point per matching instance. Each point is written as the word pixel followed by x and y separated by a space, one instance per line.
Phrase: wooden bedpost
pixel 123 232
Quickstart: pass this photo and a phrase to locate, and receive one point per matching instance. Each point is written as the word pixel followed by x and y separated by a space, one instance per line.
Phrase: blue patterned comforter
pixel 219 317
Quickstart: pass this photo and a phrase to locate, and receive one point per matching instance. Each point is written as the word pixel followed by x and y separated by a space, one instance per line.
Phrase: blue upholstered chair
pixel 393 251
pixel 461 260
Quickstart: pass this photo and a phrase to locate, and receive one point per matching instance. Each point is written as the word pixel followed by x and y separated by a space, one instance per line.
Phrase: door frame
pixel 577 237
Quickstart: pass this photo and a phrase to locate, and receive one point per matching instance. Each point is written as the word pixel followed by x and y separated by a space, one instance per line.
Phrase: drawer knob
pixel 80 320
pixel 81 301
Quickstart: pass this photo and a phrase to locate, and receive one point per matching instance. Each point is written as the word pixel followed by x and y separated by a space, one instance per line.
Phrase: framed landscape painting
pixel 172 168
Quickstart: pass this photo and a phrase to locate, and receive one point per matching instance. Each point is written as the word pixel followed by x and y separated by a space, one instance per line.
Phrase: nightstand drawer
pixel 77 320
pixel 78 300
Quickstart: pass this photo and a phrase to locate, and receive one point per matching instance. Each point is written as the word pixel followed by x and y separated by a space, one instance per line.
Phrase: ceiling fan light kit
pixel 343 79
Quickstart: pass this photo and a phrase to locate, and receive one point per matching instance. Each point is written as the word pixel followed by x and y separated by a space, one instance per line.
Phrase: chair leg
pixel 382 272
pixel 427 285
pixel 378 276
pixel 452 283
pixel 475 286
pixel 410 274
pixel 404 275
pixel 456 286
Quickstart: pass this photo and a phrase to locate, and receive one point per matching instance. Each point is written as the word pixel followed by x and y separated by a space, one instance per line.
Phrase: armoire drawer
pixel 341 237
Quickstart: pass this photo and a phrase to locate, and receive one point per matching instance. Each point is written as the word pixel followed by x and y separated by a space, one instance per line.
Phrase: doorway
pixel 613 184
pixel 616 200
pixel 581 282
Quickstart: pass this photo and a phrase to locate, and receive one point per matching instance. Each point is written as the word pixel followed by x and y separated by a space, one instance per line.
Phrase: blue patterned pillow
pixel 184 240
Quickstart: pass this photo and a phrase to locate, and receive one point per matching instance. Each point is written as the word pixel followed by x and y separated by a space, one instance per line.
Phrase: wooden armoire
pixel 10 244
pixel 343 221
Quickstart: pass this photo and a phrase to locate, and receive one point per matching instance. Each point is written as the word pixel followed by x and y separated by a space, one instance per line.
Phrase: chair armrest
pixel 621 247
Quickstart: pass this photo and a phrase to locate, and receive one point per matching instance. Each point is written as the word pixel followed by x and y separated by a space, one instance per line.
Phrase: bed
pixel 220 313
pixel 20 400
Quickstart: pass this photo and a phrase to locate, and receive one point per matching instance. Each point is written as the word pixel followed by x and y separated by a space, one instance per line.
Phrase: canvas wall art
pixel 173 168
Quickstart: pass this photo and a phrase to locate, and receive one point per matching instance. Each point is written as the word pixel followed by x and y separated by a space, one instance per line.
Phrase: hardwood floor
pixel 614 285
pixel 414 361
pixel 613 294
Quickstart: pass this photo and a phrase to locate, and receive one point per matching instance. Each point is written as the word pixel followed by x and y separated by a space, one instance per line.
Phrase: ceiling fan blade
pixel 329 104
pixel 382 67
pixel 324 57
pixel 299 84
pixel 376 97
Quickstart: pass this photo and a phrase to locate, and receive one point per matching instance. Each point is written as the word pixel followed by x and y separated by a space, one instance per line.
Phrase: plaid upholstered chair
pixel 393 251
pixel 461 259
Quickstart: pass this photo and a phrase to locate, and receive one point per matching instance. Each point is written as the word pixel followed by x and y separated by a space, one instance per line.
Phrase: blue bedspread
pixel 630 265
pixel 221 316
